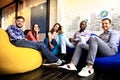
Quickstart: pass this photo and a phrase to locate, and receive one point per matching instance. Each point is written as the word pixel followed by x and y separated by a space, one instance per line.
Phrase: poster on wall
pixel 112 13
pixel 94 20
pixel 92 12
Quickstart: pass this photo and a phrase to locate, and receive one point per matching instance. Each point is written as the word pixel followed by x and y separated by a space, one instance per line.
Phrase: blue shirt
pixel 111 37
pixel 15 33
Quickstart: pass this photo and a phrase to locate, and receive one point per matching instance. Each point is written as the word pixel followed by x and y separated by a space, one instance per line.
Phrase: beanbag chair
pixel 17 59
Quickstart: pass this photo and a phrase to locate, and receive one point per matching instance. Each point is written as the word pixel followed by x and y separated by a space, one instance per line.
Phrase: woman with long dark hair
pixel 53 40
pixel 33 34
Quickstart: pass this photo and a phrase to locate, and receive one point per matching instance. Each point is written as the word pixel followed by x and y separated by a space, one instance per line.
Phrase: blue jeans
pixel 40 46
pixel 55 50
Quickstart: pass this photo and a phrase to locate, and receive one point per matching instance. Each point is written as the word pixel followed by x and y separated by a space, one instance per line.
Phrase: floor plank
pixel 54 73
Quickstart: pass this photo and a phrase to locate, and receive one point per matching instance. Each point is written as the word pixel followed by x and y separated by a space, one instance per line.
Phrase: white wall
pixel 73 11
pixel 53 13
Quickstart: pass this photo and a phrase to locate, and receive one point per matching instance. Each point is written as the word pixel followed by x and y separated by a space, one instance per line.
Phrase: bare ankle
pixel 90 65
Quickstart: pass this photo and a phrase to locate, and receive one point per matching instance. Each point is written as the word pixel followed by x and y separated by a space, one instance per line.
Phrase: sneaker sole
pixel 84 75
pixel 67 68
pixel 50 64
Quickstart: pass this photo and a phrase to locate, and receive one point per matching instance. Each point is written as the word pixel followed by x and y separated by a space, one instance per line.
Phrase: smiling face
pixel 19 22
pixel 36 27
pixel 56 27
pixel 83 25
pixel 106 24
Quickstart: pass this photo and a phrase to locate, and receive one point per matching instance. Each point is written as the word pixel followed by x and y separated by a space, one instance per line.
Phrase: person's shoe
pixel 68 67
pixel 50 63
pixel 59 62
pixel 63 61
pixel 86 71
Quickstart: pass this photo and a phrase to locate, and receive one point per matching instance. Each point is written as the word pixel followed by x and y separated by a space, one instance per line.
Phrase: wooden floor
pixel 53 73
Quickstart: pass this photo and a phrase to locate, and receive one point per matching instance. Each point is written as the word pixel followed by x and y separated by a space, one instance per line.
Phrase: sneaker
pixel 63 61
pixel 59 62
pixel 86 71
pixel 68 67
pixel 50 63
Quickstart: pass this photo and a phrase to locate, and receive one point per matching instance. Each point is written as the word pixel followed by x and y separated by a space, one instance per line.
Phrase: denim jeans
pixel 40 46
pixel 53 42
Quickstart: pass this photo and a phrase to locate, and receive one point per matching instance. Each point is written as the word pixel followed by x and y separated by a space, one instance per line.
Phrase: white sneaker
pixel 68 67
pixel 59 62
pixel 50 64
pixel 86 71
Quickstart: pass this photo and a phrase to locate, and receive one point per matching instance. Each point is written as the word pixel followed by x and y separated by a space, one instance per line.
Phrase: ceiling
pixel 3 3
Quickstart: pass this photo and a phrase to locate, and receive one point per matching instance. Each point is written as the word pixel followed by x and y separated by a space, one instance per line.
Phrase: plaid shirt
pixel 15 33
